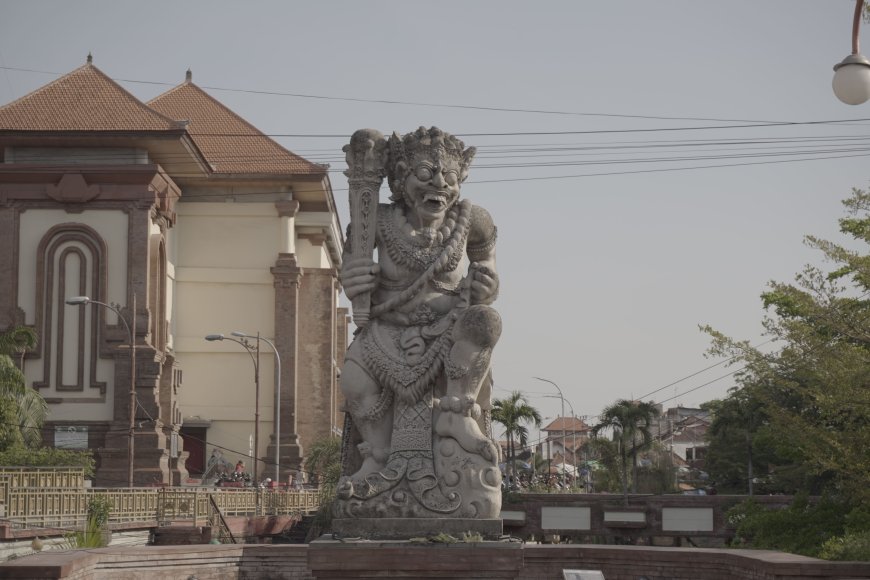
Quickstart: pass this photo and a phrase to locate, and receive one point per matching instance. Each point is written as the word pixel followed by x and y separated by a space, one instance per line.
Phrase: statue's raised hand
pixel 359 275
pixel 484 284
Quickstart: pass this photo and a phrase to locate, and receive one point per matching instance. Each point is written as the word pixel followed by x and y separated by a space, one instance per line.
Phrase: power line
pixel 414 103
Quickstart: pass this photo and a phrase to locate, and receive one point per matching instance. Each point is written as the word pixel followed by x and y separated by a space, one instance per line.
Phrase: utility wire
pixel 408 103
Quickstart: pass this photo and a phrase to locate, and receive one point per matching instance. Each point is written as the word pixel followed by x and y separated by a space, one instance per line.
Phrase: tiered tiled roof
pixel 83 100
pixel 228 142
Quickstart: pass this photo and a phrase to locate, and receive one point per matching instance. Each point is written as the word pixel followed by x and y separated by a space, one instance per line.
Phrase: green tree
pixel 608 477
pixel 732 450
pixel 813 392
pixel 514 413
pixel 630 422
pixel 22 409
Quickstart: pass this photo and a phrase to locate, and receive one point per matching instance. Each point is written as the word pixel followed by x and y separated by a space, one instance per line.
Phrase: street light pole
pixel 564 435
pixel 851 82
pixel 277 400
pixel 254 352
pixel 131 332
pixel 573 429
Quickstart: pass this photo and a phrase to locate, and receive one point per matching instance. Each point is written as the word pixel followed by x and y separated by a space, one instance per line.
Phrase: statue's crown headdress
pixel 423 143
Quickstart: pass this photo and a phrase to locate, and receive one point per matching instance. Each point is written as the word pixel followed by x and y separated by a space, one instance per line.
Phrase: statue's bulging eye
pixel 424 173
pixel 451 177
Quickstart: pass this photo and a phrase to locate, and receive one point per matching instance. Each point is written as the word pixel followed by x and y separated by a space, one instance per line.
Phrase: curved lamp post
pixel 254 351
pixel 852 76
pixel 277 400
pixel 131 332
pixel 561 396
pixel 573 431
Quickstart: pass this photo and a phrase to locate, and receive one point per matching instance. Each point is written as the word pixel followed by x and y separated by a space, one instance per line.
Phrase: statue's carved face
pixel 432 185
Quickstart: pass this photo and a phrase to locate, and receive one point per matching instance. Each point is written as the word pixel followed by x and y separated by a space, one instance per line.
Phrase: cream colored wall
pixel 112 227
pixel 219 386
pixel 171 258
pixel 320 223
pixel 310 255
pixel 223 255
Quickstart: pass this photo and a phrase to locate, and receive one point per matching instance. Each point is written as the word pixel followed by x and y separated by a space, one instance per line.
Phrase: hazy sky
pixel 606 274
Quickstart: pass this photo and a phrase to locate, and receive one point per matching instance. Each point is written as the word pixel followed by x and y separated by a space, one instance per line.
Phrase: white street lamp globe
pixel 852 80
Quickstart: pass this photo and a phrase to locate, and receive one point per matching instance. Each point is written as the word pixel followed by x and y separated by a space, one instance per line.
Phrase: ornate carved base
pixel 407 528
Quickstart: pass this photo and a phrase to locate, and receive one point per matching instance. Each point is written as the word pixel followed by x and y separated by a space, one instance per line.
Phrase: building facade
pixel 208 226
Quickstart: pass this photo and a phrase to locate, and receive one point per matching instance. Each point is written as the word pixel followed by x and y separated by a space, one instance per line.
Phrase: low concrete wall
pixel 584 516
pixel 537 562
pixel 205 562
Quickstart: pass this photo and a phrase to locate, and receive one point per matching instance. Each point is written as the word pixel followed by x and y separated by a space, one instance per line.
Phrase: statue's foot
pixel 357 481
pixel 466 432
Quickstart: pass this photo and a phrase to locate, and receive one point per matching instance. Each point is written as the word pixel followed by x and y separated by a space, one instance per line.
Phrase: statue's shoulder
pixel 481 228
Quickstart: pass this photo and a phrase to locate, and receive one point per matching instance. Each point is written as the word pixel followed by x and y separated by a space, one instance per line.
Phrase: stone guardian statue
pixel 417 442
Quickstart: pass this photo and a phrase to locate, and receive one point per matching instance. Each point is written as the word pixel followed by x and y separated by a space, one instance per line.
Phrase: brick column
pixel 317 331
pixel 342 320
pixel 287 275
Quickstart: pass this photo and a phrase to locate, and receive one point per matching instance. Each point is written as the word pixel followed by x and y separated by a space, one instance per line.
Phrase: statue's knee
pixel 356 383
pixel 480 325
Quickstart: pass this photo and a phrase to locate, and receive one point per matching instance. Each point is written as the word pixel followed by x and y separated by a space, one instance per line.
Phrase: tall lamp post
pixel 851 81
pixel 564 435
pixel 573 429
pixel 131 332
pixel 254 351
pixel 277 399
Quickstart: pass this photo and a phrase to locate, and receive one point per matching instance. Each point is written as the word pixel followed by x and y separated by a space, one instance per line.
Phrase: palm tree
pixel 23 410
pixel 630 422
pixel 512 413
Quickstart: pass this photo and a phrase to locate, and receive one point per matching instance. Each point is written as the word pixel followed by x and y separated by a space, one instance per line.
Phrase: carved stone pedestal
pixel 407 528
pixel 334 560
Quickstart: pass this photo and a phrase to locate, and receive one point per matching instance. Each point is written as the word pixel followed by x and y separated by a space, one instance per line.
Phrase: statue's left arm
pixel 482 236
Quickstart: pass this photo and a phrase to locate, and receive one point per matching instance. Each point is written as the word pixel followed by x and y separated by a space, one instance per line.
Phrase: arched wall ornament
pixel 66 246
pixel 158 295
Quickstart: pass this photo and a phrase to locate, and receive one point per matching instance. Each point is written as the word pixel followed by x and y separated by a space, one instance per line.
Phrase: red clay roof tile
pixel 228 142
pixel 83 100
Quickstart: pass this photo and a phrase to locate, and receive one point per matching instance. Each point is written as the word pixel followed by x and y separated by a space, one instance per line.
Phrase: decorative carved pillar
pixel 10 314
pixel 151 446
pixel 287 276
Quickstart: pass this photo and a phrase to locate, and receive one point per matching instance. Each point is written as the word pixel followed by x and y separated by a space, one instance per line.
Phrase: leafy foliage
pixel 817 530
pixel 853 546
pixel 94 534
pixel 21 409
pixel 804 410
pixel 48 457
pixel 800 421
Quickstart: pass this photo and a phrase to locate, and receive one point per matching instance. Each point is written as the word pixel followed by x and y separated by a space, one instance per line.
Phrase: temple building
pixel 184 221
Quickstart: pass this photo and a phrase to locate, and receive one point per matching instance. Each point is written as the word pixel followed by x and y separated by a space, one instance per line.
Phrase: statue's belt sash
pixel 406 360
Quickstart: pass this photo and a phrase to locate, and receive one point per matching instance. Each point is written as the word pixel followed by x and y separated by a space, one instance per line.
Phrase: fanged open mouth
pixel 435 201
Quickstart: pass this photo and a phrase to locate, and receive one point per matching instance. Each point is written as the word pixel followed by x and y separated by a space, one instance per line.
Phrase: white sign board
pixel 71 437
pixel 566 518
pixel 582 575
pixel 687 519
